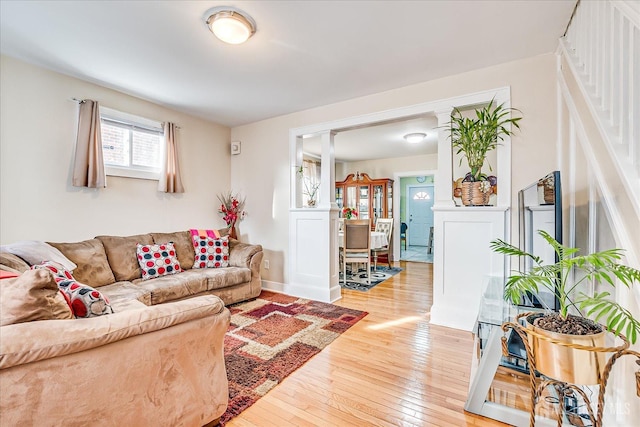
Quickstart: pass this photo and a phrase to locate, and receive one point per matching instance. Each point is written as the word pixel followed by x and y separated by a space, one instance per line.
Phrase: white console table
pixel 487 356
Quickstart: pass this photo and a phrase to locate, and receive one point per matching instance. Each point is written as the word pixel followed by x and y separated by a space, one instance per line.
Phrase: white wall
pixel 384 168
pixel 38 126
pixel 262 170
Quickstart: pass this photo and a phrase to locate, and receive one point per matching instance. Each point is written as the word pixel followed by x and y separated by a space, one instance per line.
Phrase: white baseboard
pixel 313 293
pixel 453 317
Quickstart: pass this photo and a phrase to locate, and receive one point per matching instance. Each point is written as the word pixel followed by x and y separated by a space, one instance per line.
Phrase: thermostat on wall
pixel 235 147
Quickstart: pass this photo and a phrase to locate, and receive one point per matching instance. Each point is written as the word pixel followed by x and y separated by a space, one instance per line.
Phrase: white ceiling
pixel 304 54
pixel 379 142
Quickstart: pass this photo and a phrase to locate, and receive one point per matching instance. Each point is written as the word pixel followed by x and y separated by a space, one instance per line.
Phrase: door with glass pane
pixel 420 214
pixel 351 197
pixel 363 202
pixel 378 201
pixel 390 199
pixel 339 197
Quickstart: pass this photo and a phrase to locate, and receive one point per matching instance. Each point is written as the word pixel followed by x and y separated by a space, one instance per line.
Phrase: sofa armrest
pixel 240 254
pixel 32 341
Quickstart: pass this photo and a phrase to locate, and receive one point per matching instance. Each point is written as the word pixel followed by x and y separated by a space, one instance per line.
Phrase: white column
pixel 444 175
pixel 313 231
pixel 503 155
pixel 462 259
pixel 295 160
pixel 328 171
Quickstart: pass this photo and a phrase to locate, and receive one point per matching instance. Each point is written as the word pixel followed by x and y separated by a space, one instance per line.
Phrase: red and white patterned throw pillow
pixel 157 260
pixel 83 300
pixel 211 252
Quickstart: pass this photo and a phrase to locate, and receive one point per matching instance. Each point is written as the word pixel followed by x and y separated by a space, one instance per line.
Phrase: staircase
pixel 600 53
pixel 599 151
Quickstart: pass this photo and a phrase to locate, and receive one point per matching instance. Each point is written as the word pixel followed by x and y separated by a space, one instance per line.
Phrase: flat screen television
pixel 540 208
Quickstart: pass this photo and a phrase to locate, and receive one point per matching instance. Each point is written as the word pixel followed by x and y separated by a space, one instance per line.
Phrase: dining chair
pixel 357 245
pixel 403 234
pixel 383 225
pixel 430 242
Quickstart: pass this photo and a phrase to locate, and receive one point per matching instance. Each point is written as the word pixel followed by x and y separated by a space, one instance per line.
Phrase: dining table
pixel 378 239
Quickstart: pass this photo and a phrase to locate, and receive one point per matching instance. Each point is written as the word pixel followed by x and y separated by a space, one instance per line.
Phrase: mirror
pixel 540 208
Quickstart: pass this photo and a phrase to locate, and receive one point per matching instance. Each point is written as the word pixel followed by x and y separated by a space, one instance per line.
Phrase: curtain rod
pixel 81 101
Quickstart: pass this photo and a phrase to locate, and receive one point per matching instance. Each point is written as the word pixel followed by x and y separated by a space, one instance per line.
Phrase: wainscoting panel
pixel 463 260
pixel 313 239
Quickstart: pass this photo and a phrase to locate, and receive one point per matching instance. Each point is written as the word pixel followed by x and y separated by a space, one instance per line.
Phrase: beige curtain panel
pixel 88 164
pixel 170 181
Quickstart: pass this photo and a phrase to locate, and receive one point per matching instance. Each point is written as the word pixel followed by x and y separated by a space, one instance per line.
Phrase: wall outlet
pixel 266 264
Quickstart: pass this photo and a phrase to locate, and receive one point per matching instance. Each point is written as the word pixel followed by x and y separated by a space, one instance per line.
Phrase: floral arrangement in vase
pixel 232 210
pixel 310 187
pixel 349 213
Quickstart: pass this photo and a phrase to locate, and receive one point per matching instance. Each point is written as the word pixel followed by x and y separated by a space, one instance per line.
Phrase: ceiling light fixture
pixel 230 25
pixel 414 138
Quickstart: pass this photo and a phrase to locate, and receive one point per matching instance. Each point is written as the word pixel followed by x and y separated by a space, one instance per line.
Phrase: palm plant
pixel 475 137
pixel 601 267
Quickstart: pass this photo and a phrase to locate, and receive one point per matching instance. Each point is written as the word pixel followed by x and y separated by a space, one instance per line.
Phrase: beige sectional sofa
pixel 158 360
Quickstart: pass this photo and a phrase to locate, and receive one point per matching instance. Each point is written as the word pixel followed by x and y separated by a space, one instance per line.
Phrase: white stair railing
pixel 602 45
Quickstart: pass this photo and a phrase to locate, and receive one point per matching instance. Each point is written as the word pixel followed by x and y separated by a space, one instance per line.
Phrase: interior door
pixel 419 213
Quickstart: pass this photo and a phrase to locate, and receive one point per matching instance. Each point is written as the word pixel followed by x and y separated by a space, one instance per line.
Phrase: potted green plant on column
pixel 474 137
pixel 563 278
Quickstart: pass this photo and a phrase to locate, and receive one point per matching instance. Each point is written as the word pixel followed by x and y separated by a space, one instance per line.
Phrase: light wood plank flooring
pixel 391 369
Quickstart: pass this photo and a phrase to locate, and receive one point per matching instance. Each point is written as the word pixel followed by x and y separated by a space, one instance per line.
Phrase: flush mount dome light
pixel 414 138
pixel 230 25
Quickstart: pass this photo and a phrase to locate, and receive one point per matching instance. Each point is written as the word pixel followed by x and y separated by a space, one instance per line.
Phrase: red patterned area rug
pixel 272 336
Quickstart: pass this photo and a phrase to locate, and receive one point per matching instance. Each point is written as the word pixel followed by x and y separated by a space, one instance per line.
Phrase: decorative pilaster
pixel 444 175
pixel 328 171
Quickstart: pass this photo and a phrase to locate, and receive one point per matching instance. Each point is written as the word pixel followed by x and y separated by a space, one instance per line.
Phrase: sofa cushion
pixel 178 286
pixel 84 300
pixel 34 295
pixel 192 282
pixel 13 262
pixel 93 266
pixel 123 291
pixel 183 244
pixel 35 251
pixel 225 277
pixel 211 252
pixel 121 253
pixel 157 260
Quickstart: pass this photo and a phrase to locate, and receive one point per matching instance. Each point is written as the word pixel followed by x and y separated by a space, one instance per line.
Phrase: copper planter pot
pixel 563 363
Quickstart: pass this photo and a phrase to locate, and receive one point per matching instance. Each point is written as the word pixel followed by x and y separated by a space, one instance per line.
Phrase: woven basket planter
pixel 472 196
pixel 549 195
pixel 546 194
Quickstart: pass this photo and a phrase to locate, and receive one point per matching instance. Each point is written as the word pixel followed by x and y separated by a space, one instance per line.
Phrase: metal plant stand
pixel 562 388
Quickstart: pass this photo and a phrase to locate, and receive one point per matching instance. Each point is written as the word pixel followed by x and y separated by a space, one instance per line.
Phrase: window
pixel 131 146
pixel 421 195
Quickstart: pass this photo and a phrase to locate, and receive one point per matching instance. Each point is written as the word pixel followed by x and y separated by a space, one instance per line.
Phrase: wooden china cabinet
pixel 373 198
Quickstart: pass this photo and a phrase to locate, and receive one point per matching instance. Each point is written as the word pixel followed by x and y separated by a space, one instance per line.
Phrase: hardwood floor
pixel 391 369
